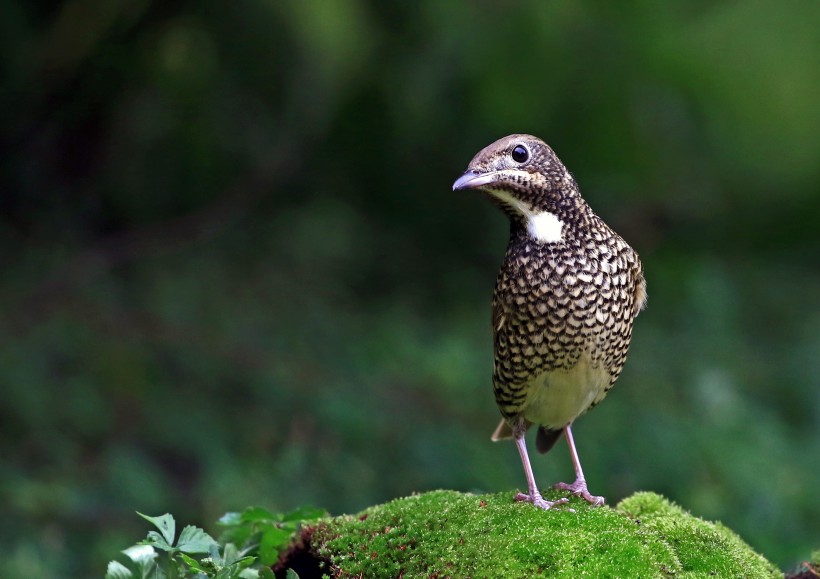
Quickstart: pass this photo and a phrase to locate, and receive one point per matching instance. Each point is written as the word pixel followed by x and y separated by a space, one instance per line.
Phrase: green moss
pixel 703 548
pixel 814 560
pixel 450 534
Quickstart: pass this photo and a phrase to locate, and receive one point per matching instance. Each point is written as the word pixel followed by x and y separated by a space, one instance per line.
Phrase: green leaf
pixel 194 540
pixel 228 519
pixel 238 569
pixel 239 535
pixel 291 574
pixel 273 540
pixel 253 514
pixel 144 559
pixel 305 514
pixel 215 555
pixel 154 539
pixel 249 515
pixel 193 563
pixel 230 554
pixel 142 555
pixel 165 523
pixel 117 570
pixel 244 562
pixel 263 573
pixel 209 565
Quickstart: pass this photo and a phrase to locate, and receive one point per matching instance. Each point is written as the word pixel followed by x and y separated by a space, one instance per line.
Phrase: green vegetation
pixel 450 534
pixel 250 544
pixel 232 271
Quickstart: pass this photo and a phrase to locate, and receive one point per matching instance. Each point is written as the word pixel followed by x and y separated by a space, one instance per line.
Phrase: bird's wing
pixel 640 289
pixel 499 319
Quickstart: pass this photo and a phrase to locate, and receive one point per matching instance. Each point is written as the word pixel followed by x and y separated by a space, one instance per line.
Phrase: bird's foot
pixel 539 501
pixel 579 489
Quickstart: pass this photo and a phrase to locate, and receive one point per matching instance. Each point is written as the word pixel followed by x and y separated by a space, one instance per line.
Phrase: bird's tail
pixel 546 439
pixel 502 432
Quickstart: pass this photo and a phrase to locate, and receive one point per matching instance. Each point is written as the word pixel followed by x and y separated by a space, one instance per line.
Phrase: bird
pixel 565 299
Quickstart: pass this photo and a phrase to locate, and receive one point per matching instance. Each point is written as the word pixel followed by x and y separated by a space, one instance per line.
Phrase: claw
pixel 579 489
pixel 540 501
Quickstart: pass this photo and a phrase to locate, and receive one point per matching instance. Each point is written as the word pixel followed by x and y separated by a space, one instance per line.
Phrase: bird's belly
pixel 558 397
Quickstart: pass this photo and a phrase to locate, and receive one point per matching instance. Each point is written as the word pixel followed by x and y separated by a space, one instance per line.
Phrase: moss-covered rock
pixel 451 534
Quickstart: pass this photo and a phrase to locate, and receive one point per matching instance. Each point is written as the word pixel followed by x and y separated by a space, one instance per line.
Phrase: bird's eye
pixel 520 153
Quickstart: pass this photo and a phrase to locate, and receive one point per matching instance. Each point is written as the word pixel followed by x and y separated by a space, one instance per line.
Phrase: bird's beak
pixel 474 180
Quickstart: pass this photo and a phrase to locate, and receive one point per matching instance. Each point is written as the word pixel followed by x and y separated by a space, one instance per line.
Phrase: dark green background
pixel 234 273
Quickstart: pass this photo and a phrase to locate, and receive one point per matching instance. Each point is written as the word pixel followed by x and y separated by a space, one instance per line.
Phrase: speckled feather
pixel 563 308
pixel 554 302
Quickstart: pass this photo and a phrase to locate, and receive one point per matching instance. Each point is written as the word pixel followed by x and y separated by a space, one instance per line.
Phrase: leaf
pixel 238 534
pixel 249 515
pixel 263 573
pixel 305 514
pixel 215 555
pixel 291 574
pixel 144 559
pixel 238 569
pixel 244 562
pixel 194 540
pixel 193 563
pixel 228 519
pixel 117 570
pixel 253 514
pixel 142 555
pixel 230 554
pixel 165 523
pixel 273 540
pixel 154 539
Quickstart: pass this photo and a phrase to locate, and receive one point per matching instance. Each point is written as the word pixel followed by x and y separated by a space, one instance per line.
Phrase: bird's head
pixel 526 179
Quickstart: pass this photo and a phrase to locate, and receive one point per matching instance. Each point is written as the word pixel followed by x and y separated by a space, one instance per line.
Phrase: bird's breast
pixel 562 321
pixel 556 398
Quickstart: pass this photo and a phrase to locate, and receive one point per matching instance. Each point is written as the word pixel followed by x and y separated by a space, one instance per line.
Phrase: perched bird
pixel 564 302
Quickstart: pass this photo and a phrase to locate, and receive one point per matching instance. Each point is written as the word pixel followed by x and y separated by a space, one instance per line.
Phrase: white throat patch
pixel 544 227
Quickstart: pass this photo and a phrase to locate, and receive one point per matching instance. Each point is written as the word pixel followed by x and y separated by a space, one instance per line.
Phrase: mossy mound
pixel 450 534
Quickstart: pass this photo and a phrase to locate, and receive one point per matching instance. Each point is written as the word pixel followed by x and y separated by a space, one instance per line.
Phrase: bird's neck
pixel 551 222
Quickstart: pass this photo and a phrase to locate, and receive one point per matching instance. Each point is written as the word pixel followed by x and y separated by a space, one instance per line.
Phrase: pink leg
pixel 579 487
pixel 534 495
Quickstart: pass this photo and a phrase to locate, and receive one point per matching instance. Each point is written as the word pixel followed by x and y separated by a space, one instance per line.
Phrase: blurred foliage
pixel 233 271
